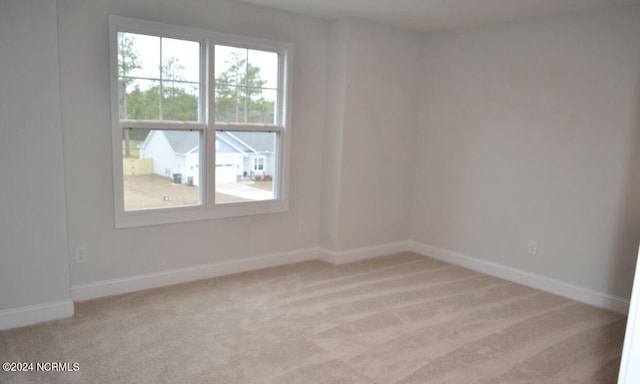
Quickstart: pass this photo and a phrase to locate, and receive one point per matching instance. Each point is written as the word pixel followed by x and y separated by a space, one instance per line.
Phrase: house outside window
pixel 196 115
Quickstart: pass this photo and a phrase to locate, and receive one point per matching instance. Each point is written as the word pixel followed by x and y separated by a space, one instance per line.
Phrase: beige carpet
pixel 398 319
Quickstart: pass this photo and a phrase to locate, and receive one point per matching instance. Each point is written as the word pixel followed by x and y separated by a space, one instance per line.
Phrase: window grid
pixel 205 124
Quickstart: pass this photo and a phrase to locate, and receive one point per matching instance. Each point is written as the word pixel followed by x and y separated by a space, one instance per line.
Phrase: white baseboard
pixel 80 292
pixel 561 288
pixel 343 257
pixel 34 314
pixel 104 288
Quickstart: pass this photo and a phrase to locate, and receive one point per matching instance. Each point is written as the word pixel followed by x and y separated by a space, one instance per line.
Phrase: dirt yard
pixel 153 191
pixel 266 185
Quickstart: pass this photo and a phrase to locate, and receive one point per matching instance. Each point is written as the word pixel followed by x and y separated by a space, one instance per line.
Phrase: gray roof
pixel 234 141
pixel 260 141
pixel 182 141
pixel 187 141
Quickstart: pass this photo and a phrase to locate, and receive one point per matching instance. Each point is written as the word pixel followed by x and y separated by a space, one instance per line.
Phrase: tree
pixel 239 91
pixel 179 99
pixel 239 96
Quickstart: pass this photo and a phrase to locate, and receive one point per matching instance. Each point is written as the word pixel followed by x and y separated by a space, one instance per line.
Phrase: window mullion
pixel 161 89
pixel 163 125
pixel 249 127
pixel 280 118
pixel 210 144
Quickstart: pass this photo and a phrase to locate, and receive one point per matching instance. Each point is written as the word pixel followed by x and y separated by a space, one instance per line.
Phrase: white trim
pixel 238 139
pixel 343 257
pixel 34 314
pixel 230 144
pixel 165 125
pixel 557 287
pixel 630 373
pixel 254 163
pixel 104 288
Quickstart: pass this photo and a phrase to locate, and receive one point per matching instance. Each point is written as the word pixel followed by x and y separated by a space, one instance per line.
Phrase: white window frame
pixel 256 161
pixel 207 209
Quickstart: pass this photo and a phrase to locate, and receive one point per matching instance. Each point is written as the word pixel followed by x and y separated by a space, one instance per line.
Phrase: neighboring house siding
pixel 192 168
pixel 166 162
pixel 156 147
pixel 270 164
pixel 247 163
pixel 224 147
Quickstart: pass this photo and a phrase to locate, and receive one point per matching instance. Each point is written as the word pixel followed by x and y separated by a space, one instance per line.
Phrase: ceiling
pixel 430 15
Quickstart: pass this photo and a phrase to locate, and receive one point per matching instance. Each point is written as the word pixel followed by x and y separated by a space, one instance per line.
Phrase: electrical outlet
pixel 301 228
pixel 81 254
pixel 533 247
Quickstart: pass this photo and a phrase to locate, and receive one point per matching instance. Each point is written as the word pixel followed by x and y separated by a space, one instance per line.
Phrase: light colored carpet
pixel 398 319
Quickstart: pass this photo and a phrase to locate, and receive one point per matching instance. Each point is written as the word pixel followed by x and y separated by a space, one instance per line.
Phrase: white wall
pixel 84 72
pixel 33 230
pixel 372 116
pixel 530 131
pixel 474 141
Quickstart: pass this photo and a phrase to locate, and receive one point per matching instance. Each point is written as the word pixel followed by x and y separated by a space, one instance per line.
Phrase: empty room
pixel 306 191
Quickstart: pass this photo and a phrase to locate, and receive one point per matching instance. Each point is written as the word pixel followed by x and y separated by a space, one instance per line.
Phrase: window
pixel 258 164
pixel 200 123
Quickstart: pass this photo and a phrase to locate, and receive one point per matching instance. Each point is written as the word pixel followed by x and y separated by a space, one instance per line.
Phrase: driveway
pixel 244 191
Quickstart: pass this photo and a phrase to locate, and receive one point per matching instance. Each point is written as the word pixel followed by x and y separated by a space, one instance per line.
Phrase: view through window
pixel 164 121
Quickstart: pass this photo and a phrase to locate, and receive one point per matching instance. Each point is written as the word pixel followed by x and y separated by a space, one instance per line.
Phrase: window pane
pixel 246 85
pixel 161 169
pixel 180 60
pixel 138 55
pixel 230 104
pixel 150 65
pixel 231 64
pixel 266 65
pixel 261 106
pixel 246 166
pixel 180 101
pixel 139 99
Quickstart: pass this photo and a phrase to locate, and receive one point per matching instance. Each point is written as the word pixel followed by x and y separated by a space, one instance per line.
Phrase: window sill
pixel 175 215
